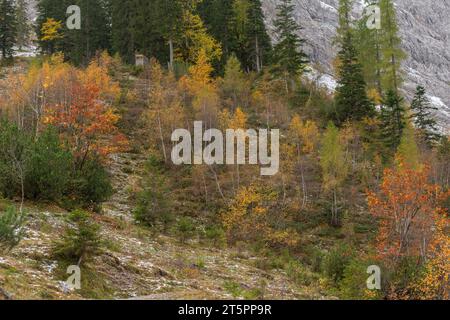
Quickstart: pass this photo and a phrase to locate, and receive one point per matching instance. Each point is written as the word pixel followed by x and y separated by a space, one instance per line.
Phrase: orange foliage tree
pixel 408 208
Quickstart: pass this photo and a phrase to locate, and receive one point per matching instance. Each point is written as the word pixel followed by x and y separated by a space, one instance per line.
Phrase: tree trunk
pixel 258 58
pixel 171 55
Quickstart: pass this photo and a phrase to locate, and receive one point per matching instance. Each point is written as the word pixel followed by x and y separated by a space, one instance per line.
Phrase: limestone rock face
pixel 424 29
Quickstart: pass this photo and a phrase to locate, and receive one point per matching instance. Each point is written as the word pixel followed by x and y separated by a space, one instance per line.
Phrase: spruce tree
pixel 260 46
pixel 94 35
pixel 123 18
pixel 218 18
pixel 239 26
pixel 288 58
pixel 351 98
pixel 392 117
pixel 423 118
pixel 8 28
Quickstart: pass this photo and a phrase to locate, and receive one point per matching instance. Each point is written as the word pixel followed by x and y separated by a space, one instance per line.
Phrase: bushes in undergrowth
pixel 153 205
pixel 81 240
pixel 12 223
pixel 44 169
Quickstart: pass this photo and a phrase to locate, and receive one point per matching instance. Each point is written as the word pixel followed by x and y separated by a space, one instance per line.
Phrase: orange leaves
pixel 408 208
pixel 435 284
pixel 96 74
pixel 86 121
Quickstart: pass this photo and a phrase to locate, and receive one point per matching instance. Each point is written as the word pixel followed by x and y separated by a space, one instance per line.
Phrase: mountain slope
pixel 424 29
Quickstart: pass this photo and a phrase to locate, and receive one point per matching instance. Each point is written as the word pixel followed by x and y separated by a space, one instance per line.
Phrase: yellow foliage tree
pixel 251 216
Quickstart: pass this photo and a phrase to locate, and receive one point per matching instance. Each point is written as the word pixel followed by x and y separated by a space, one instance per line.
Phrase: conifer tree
pixel 288 58
pixel 239 26
pixel 94 35
pixel 422 115
pixel 392 118
pixel 369 50
pixel 23 24
pixel 351 100
pixel 260 45
pixel 390 42
pixel 8 27
pixel 123 13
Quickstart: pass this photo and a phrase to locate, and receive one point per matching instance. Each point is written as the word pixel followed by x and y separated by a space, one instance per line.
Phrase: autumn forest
pixel 358 208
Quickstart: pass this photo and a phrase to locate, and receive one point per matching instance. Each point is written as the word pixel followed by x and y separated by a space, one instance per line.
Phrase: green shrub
pixel 92 183
pixel 81 240
pixel 353 285
pixel 297 273
pixel 14 153
pixel 48 169
pixel 216 235
pixel 185 229
pixel 153 203
pixel 12 224
pixel 336 261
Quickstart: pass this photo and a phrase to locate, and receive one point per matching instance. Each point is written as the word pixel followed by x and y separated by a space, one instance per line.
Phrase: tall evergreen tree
pixel 260 44
pixel 24 27
pixel 392 118
pixel 422 115
pixel 94 35
pixel 239 26
pixel 218 17
pixel 351 99
pixel 123 18
pixel 288 58
pixel 8 27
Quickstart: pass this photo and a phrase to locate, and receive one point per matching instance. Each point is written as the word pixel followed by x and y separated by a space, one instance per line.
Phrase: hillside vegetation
pixel 87 176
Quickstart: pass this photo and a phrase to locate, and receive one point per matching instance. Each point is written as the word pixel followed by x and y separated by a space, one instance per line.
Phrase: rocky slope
pixel 424 29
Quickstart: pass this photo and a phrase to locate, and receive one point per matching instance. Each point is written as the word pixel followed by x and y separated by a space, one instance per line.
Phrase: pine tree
pixel 351 99
pixel 239 26
pixel 94 35
pixel 123 17
pixel 218 17
pixel 288 58
pixel 23 24
pixel 392 118
pixel 8 27
pixel 345 23
pixel 260 45
pixel 422 115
